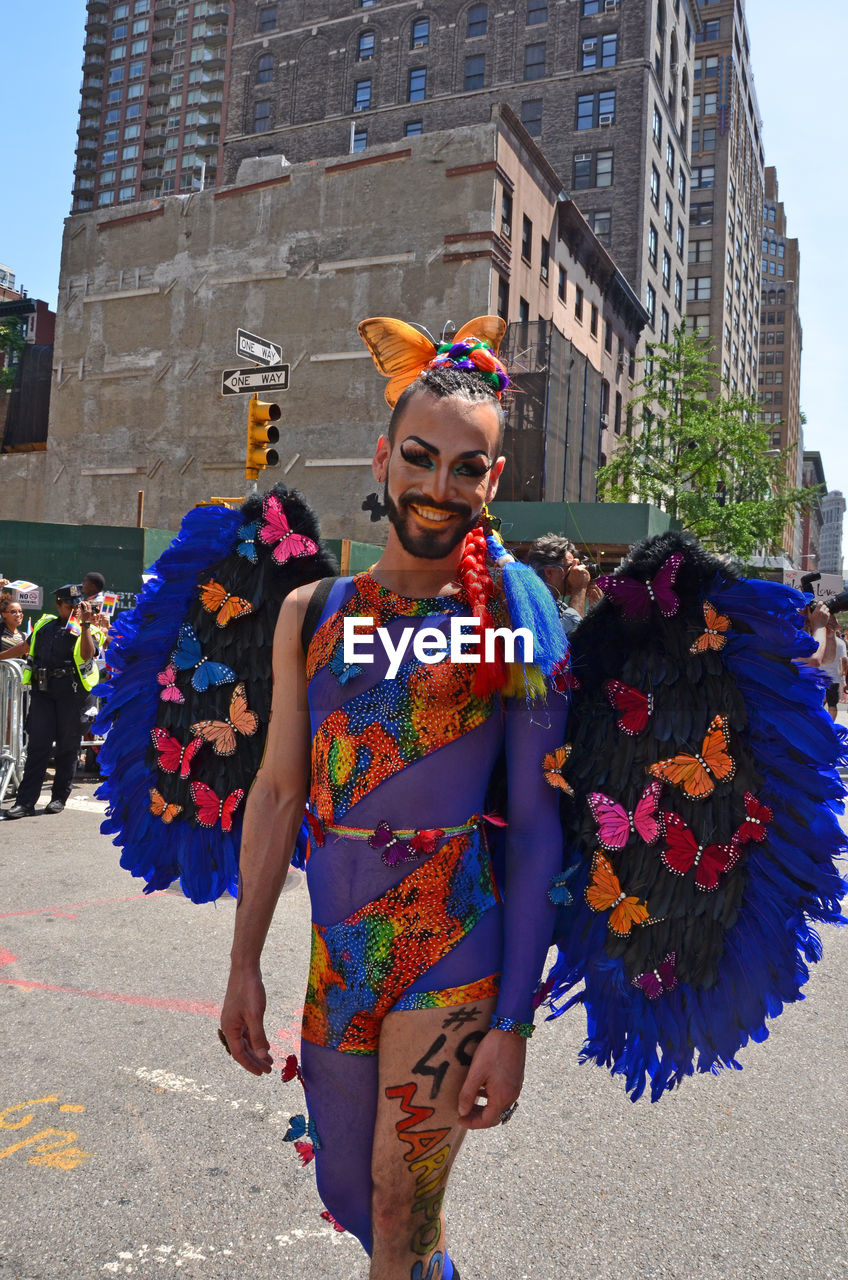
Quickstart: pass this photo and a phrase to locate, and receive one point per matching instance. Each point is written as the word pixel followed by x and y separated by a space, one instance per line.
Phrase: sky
pixel 798 69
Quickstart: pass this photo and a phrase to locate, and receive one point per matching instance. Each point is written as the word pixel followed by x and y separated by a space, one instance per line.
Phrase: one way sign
pixel 255 348
pixel 236 382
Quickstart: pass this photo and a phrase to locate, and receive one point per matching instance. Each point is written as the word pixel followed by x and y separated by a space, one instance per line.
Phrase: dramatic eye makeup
pixel 474 464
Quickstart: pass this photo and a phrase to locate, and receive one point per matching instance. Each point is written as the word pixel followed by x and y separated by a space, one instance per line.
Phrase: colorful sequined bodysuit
pixel 400 920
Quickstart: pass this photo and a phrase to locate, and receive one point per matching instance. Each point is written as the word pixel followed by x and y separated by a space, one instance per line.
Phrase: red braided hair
pixel 476 582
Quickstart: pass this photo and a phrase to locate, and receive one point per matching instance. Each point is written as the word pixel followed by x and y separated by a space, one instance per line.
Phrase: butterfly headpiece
pixel 401 352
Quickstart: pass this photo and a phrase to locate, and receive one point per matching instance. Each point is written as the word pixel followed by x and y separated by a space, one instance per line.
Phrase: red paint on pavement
pixel 6 957
pixel 170 1004
pixel 69 908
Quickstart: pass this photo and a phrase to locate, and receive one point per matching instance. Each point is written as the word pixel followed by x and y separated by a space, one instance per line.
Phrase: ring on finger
pixel 506 1116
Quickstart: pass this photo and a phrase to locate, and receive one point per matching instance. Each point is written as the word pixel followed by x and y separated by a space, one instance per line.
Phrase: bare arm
pixel 824 638
pixel 272 818
pixel 576 586
pixel 16 650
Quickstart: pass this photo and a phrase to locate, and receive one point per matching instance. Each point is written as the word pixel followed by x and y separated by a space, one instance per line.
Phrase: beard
pixel 424 543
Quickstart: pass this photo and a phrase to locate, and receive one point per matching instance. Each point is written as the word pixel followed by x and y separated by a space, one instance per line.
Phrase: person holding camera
pixel 555 559
pixel 835 667
pixel 61 672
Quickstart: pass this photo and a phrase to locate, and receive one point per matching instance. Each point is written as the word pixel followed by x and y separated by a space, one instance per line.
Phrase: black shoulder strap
pixel 313 611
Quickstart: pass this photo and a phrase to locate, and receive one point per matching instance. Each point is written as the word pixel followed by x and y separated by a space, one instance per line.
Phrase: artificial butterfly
pixel 188 656
pixel 306 1151
pixel 393 850
pixel 697 774
pixel 634 707
pixel 300 1127
pixel 636 598
pixel 343 671
pixel 291 1069
pixel 426 841
pixel 316 828
pixel 604 893
pixel 553 763
pixel 656 981
pixel 275 531
pixel 211 809
pixel 160 808
pixel 401 352
pixel 246 541
pixel 715 636
pixel 374 507
pixel 757 818
pixel 328 1217
pixel 616 825
pixel 214 598
pixel 563 678
pixel 222 733
pixel 558 891
pixel 173 756
pixel 682 853
pixel 170 692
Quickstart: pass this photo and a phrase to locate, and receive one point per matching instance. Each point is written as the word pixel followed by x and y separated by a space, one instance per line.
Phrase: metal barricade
pixel 14 700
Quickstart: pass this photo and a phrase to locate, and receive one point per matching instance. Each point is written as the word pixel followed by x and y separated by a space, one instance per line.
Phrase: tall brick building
pixel 725 214
pixel 604 88
pixel 154 99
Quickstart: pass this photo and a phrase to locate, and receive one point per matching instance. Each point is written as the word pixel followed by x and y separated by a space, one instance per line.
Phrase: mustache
pixel 421 500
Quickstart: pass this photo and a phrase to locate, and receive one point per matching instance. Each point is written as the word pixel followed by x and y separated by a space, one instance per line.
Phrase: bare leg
pixel 423 1060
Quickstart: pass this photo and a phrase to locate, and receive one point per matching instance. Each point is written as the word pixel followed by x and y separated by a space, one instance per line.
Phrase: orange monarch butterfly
pixel 215 597
pixel 222 733
pixel 160 808
pixel 696 773
pixel 553 763
pixel 400 352
pixel 715 636
pixel 604 893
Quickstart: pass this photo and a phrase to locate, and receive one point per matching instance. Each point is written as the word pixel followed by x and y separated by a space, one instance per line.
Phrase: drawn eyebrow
pixel 461 457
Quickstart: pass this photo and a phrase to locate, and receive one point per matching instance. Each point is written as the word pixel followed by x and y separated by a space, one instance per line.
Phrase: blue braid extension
pixel 531 605
pixel 792 880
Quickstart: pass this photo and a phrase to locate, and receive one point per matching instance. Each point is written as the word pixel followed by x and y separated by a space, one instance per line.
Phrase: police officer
pixel 61 671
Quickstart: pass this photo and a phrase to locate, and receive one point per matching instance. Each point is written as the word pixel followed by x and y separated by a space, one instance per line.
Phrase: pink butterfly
pixel 170 692
pixel 656 981
pixel 635 598
pixel 306 1151
pixel 276 530
pixel 616 825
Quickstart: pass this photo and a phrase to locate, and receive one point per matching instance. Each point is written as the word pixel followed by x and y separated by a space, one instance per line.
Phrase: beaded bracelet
pixel 523 1029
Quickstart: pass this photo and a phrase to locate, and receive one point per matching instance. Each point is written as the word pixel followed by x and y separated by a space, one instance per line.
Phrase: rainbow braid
pixel 476 356
pixel 530 604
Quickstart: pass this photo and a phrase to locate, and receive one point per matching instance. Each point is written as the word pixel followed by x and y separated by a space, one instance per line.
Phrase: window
pixel 359 141
pixel 708 140
pixel 137 47
pixel 592 169
pixel 700 250
pixel 666 270
pixel 107 177
pixel 562 281
pixel 119 32
pixel 534 61
pixel 129 173
pixel 600 51
pixel 595 109
pixel 106 197
pixel 420 35
pixel 132 131
pixel 710 104
pixel 118 51
pixel 130 153
pixel 657 128
pixel 364 46
pixel 132 112
pixel 578 303
pixel 503 298
pixel 526 238
pixel 681 186
pixel 678 291
pixel 703 176
pixel 668 212
pixel 669 158
pixel 537 11
pixel 362 95
pixel 664 325
pixel 126 193
pixel 114 95
pixel 711 31
pixel 531 117
pixel 701 215
pixel 699 288
pixel 265 69
pixel 506 215
pixel 651 304
pixel 262 116
pixel 417 90
pixel 593 321
pixel 475 66
pixel 605 398
pixel 267 17
pixel 413 128
pixel 135 91
pixel 655 186
pixel 617 419
pixel 478 20
pixel 653 243
pixel 116 75
pixel 545 259
pixel 601 224
pixel 609 50
pixel 608 336
pixel 681 236
pixel 590 7
pixel 523 311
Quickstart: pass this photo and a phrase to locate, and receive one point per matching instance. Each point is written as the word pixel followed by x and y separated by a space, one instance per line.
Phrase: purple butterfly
pixel 636 598
pixel 393 850
pixel 656 981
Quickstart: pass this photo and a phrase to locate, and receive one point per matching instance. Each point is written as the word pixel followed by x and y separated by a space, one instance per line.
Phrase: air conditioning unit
pixel 610 5
pixel 584 155
pixel 604 419
pixel 606 119
pixel 420 44
pixel 365 57
pixel 362 106
pixel 588 45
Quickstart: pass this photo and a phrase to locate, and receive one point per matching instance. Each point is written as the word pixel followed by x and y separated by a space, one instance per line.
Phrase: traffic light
pixel 261 433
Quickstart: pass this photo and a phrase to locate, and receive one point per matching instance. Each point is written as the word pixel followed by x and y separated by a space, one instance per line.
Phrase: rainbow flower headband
pixel 402 353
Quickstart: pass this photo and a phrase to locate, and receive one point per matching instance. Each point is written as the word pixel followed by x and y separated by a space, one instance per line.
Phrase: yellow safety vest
pixel 88 672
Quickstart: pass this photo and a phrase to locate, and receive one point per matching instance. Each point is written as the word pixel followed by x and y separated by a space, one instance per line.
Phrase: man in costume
pixel 423 974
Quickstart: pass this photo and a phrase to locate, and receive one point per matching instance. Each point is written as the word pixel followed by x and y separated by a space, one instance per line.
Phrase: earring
pixel 375 507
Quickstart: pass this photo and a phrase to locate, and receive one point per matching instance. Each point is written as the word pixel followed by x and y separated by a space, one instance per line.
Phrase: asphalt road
pixel 149 1153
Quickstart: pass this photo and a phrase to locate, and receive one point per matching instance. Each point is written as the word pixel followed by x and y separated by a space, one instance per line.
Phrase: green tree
pixel 12 343
pixel 697 450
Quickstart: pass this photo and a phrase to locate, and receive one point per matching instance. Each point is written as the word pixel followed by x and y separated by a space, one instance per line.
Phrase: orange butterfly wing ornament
pixel 216 599
pixel 222 733
pixel 604 893
pixel 400 351
pixel 160 808
pixel 698 774
pixel 553 763
pixel 715 637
